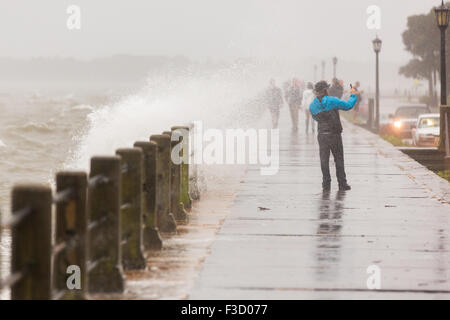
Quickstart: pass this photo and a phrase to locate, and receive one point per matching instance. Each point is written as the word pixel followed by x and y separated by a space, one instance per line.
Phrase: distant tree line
pixel 117 68
pixel 422 40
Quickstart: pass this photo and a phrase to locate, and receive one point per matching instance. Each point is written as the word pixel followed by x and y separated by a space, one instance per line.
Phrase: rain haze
pixel 300 32
pixel 289 29
pixel 314 151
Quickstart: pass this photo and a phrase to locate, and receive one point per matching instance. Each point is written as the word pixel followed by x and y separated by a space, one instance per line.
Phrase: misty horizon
pixel 200 29
pixel 133 71
pixel 295 35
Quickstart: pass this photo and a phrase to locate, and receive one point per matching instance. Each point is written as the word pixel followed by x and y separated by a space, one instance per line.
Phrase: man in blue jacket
pixel 325 110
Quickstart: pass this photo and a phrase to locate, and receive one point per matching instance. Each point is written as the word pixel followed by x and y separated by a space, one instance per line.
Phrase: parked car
pixel 405 119
pixel 426 132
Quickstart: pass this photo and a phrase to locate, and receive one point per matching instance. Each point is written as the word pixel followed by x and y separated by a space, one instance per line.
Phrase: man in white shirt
pixel 308 98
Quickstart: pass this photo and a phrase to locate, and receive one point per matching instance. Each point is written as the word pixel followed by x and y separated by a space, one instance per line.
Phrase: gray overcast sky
pixel 202 28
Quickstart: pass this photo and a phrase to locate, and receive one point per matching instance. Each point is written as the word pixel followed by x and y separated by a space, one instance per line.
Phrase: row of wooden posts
pixel 104 222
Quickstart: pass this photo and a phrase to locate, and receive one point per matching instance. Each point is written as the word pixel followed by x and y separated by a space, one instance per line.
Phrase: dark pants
pixel 332 143
pixel 275 112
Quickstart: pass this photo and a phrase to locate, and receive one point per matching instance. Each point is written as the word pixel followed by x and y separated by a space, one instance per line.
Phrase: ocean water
pixel 36 134
pixel 43 133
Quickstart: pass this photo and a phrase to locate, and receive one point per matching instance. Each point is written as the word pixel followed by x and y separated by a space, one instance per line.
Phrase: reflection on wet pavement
pixel 329 229
pixel 312 244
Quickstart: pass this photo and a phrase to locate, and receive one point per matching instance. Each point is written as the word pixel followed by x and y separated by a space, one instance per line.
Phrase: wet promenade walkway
pixel 313 245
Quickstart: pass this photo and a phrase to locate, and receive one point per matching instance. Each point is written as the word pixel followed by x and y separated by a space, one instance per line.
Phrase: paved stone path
pixel 313 245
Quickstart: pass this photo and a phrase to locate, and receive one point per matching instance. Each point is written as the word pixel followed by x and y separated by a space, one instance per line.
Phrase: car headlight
pixel 398 124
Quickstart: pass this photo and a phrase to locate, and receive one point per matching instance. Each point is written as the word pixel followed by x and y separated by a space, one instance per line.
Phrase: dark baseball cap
pixel 321 86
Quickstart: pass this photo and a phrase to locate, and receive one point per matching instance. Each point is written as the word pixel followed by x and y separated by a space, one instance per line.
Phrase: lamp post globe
pixel 377 43
pixel 442 15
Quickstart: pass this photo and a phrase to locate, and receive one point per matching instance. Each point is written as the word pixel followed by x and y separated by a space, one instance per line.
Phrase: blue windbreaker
pixel 326 113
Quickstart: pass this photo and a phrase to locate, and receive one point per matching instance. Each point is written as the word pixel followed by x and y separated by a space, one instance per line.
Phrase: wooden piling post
pixel 183 131
pixel 105 264
pixel 71 232
pixel 31 242
pixel 166 220
pixel 152 238
pixel 131 208
pixel 177 207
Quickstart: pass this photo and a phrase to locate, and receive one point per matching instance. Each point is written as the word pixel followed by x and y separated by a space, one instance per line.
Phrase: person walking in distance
pixel 341 83
pixel 308 98
pixel 325 110
pixel 274 100
pixel 294 100
pixel 336 90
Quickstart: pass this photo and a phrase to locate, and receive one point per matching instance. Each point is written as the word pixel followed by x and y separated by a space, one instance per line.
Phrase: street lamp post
pixel 315 73
pixel 323 70
pixel 335 60
pixel 436 54
pixel 377 48
pixel 442 18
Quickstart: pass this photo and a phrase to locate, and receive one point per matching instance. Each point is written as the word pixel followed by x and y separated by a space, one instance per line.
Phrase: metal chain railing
pixel 104 223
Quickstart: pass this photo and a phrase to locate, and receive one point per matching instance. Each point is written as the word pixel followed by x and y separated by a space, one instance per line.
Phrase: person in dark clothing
pixel 336 89
pixel 274 101
pixel 325 110
pixel 294 96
